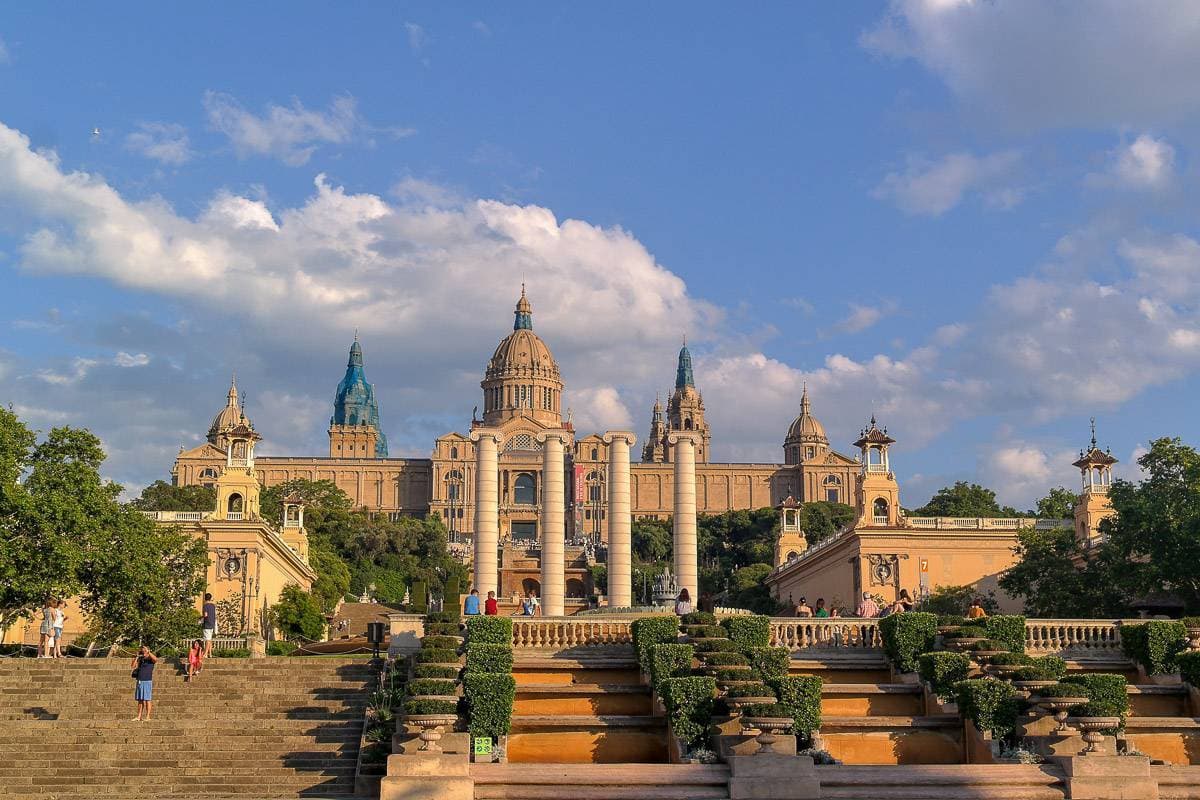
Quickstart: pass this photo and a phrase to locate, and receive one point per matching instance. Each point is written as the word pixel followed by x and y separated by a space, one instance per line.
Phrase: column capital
pixel 479 434
pixel 560 434
pixel 675 437
pixel 629 436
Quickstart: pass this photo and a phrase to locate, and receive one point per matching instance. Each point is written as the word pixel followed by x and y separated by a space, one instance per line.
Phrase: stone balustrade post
pixel 683 454
pixel 553 528
pixel 487 509
pixel 620 520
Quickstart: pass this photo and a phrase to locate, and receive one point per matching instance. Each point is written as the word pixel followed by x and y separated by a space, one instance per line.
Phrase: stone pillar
pixel 683 454
pixel 487 509
pixel 620 533
pixel 553 522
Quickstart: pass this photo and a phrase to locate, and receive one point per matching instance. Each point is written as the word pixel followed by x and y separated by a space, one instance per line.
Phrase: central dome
pixel 522 377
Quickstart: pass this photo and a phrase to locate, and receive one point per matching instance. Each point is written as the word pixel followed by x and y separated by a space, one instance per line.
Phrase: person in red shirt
pixel 490 607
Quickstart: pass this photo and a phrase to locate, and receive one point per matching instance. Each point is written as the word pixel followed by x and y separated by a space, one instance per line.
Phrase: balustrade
pixel 1074 636
pixel 843 632
pixel 556 633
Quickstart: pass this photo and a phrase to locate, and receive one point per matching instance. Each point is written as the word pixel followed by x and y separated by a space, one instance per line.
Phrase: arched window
pixel 235 504
pixel 595 454
pixel 791 555
pixel 833 486
pixel 687 424
pixel 574 587
pixel 531 586
pixel 880 507
pixel 239 449
pixel 454 452
pixel 524 490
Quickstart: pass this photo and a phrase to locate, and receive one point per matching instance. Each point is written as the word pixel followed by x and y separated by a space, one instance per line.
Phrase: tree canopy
pixel 964 500
pixel 163 496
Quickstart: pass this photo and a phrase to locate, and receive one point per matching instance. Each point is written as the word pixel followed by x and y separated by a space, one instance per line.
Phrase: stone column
pixel 620 534
pixel 553 522
pixel 683 455
pixel 487 509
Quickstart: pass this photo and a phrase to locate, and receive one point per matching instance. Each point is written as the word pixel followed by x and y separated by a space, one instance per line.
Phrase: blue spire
pixel 524 320
pixel 683 374
pixel 354 403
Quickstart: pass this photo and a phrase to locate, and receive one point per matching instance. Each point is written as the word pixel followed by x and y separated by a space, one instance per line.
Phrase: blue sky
pixel 976 220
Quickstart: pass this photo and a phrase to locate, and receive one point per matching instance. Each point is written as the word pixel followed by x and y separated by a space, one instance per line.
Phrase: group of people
pixel 51 630
pixel 491 607
pixel 867 608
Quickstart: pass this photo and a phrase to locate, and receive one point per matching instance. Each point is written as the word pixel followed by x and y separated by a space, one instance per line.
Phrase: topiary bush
pixel 441 642
pixel 437 655
pixel 489 700
pixel 750 690
pixel 989 703
pixel 770 662
pixel 230 652
pixel 1105 691
pixel 989 646
pixel 943 670
pixel 420 597
pixel 1189 668
pixel 490 630
pixel 1007 628
pixel 443 616
pixel 966 632
pixel 1011 660
pixel 1155 644
pixel 715 646
pixel 766 710
pixel 906 636
pixel 689 704
pixel 670 661
pixel 413 707
pixel 442 629
pixel 706 632
pixel 432 686
pixel 487 657
pixel 1063 690
pixel 436 671
pixel 649 631
pixel 722 659
pixel 699 618
pixel 1053 666
pixel 732 674
pixel 748 631
pixel 801 694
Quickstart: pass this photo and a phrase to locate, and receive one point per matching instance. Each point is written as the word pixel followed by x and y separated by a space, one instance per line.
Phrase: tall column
pixel 620 533
pixel 553 523
pixel 683 454
pixel 487 509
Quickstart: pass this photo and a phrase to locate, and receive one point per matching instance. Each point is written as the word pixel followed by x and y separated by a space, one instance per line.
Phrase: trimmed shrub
pixel 442 629
pixel 445 615
pixel 802 694
pixel 281 648
pixel 1155 644
pixel 748 631
pixel 432 686
pixel 1063 690
pixel 649 631
pixel 689 703
pixel 966 632
pixel 989 703
pixel 490 630
pixel 1189 668
pixel 412 707
pixel 706 632
pixel 489 703
pixel 992 645
pixel 729 674
pixel 232 652
pixel 452 593
pixel 436 655
pixel 670 661
pixel 750 690
pixel 435 671
pixel 943 670
pixel 419 595
pixel 770 662
pixel 715 646
pixel 766 710
pixel 1105 691
pixel 1007 628
pixel 1032 673
pixel 1053 666
pixel 700 618
pixel 906 636
pixel 483 657
pixel 440 643
pixel 1011 660
pixel 721 659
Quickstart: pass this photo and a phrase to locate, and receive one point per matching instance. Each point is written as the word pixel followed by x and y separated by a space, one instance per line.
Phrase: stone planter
pixel 1028 688
pixel 1193 636
pixel 962 645
pixel 980 656
pixel 1092 727
pixel 1059 707
pixel 738 703
pixel 1001 670
pixel 767 727
pixel 449 698
pixel 431 729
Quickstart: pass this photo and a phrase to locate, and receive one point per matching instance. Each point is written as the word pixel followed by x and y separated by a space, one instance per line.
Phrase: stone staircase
pixel 261 728
pixel 942 782
pixel 601 782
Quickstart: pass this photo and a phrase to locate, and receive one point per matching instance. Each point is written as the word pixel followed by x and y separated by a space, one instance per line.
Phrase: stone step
pixel 547 699
pixel 1157 701
pixel 871 699
pixel 630 781
pixel 992 781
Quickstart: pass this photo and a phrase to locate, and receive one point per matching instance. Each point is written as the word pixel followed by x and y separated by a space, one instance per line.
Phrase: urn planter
pixel 431 729
pixel 1092 728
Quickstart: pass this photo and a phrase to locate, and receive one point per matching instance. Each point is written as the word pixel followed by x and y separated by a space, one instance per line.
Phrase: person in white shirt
pixel 683 603
pixel 59 620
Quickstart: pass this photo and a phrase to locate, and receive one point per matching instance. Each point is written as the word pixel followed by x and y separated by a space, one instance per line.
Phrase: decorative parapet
pixel 985 523
pixel 561 633
pixel 175 516
pixel 844 633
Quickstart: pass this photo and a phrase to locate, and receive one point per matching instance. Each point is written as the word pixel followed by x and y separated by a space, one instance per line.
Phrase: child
pixel 195 659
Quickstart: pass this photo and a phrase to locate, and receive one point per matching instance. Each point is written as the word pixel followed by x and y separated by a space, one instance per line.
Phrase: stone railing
pixel 220 643
pixel 1075 637
pixel 174 516
pixel 838 632
pixel 559 633
pixel 985 523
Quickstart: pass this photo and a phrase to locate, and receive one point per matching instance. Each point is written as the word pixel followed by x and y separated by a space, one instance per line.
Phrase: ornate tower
pixel 791 541
pixel 354 427
pixel 226 419
pixel 685 409
pixel 655 448
pixel 1092 506
pixel 294 532
pixel 806 439
pixel 237 486
pixel 522 378
pixel 878 496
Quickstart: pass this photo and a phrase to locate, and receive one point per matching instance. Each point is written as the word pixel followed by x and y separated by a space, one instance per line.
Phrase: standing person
pixel 683 603
pixel 208 623
pixel 194 659
pixel 868 607
pixel 803 609
pixel 821 611
pixel 490 607
pixel 471 604
pixel 46 645
pixel 60 621
pixel 143 672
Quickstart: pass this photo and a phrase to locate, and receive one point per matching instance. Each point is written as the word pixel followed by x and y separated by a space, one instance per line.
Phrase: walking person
pixel 60 621
pixel 46 645
pixel 471 604
pixel 143 672
pixel 194 660
pixel 683 603
pixel 208 623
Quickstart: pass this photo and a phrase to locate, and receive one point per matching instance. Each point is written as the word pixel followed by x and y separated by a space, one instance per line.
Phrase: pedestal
pixel 427 777
pixel 770 776
pixel 1096 777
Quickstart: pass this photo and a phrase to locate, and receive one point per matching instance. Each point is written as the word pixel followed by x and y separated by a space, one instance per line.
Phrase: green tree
pixel 747 590
pixel 1059 503
pixel 298 614
pixel 162 496
pixel 956 600
pixel 1055 578
pixel 822 518
pixel 964 500
pixel 333 577
pixel 651 539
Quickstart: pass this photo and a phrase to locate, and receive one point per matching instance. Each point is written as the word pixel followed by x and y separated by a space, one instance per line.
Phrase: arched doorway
pixel 531 585
pixel 575 587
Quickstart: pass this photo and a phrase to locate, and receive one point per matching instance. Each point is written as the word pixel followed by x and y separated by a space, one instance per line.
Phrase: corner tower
pixel 522 378
pixel 685 409
pixel 354 427
pixel 1093 506
pixel 877 500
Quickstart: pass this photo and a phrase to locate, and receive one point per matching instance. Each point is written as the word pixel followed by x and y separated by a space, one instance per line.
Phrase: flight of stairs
pixel 601 782
pixel 251 728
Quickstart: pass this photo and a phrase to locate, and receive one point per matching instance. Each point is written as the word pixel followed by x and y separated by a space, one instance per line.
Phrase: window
pixel 833 485
pixel 595 454
pixel 524 490
pixel 235 504
pixel 880 507
pixel 395 516
pixel 454 452
pixel 687 424
pixel 524 532
pixel 810 452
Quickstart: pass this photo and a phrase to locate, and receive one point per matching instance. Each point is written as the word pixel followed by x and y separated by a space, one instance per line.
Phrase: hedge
pixel 486 657
pixel 989 703
pixel 715 646
pixel 1011 659
pixel 906 636
pixel 281 648
pixel 413 707
pixel 1053 666
pixel 1189 668
pixel 1007 628
pixel 943 670
pixel 435 671
pixel 419 595
pixel 770 662
pixel 720 659
pixel 1063 690
pixel 437 655
pixel 1104 691
pixel 452 593
pixel 440 643
pixel 748 631
pixel 445 615
pixel 766 710
pixel 731 674
pixel 1155 644
pixel 670 661
pixel 432 686
pixel 442 629
pixel 801 694
pixel 750 690
pixel 965 632
pixel 700 618
pixel 689 703
pixel 489 703
pixel 490 630
pixel 649 631
pixel 232 652
pixel 706 632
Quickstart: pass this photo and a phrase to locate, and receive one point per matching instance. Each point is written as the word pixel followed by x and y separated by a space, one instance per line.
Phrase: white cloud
pixel 597 408
pixel 1145 163
pixel 289 133
pixel 417 37
pixel 481 27
pixel 1021 472
pixel 5 56
pixel 862 317
pixel 1107 62
pixel 932 188
pixel 165 142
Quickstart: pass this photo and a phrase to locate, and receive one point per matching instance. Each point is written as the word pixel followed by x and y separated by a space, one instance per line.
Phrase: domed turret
pixel 227 419
pixel 522 378
pixel 806 437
